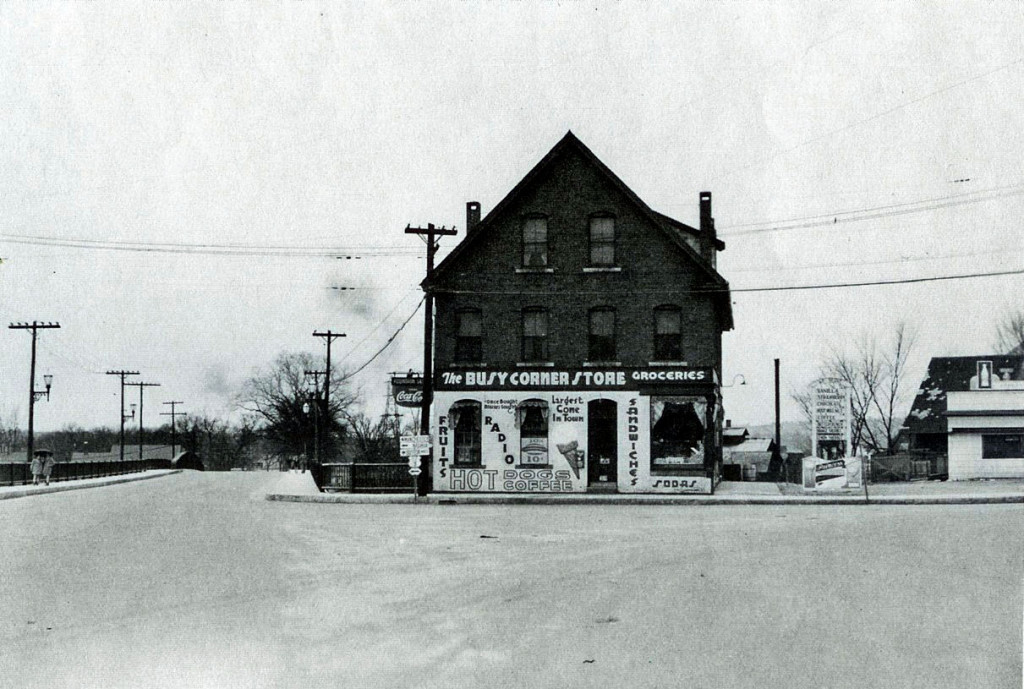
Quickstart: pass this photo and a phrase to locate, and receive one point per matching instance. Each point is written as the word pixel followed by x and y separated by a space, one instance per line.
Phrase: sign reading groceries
pixel 579 379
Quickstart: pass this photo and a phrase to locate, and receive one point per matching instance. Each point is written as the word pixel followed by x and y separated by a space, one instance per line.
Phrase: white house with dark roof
pixel 985 425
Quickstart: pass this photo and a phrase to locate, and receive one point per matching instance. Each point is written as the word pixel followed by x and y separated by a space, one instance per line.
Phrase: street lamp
pixel 311 404
pixel 128 417
pixel 40 394
pixel 739 377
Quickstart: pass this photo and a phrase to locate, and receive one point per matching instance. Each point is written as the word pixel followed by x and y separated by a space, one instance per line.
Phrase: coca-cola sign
pixel 409 398
pixel 407 390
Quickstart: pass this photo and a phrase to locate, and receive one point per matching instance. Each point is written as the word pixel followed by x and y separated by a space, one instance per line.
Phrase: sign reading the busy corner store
pixel 573 379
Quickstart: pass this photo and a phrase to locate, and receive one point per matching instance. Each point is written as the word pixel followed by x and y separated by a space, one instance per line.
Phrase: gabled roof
pixel 949 374
pixel 672 228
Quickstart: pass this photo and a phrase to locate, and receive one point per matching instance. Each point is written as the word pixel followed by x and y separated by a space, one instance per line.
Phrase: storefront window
pixel 464 417
pixel 532 420
pixel 1002 446
pixel 677 432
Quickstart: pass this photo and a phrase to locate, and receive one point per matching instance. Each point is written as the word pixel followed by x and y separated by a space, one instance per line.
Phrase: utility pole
pixel 35 327
pixel 330 337
pixel 314 404
pixel 122 374
pixel 172 414
pixel 431 235
pixel 778 423
pixel 142 386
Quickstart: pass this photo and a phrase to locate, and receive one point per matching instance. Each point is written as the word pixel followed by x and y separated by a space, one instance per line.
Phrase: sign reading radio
pixel 573 379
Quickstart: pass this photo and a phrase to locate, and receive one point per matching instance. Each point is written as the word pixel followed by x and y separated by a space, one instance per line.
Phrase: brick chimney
pixel 708 238
pixel 472 215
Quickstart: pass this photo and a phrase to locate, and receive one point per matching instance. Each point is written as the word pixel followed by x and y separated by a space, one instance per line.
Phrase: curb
pixel 62 487
pixel 454 499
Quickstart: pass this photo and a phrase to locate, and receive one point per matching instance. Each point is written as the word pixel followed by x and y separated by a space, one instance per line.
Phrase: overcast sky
pixel 330 126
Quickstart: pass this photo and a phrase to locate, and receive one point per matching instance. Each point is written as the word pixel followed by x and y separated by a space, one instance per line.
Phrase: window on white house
pixel 1002 446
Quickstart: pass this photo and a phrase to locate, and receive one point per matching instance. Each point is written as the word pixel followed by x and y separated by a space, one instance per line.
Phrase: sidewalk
pixel 300 488
pixel 7 492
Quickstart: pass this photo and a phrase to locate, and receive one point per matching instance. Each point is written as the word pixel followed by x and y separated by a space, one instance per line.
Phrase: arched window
pixel 464 417
pixel 601 342
pixel 469 336
pixel 532 421
pixel 535 241
pixel 668 333
pixel 535 334
pixel 602 239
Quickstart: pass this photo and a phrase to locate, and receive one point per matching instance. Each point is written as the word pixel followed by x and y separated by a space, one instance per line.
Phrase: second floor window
pixel 602 240
pixel 535 242
pixel 602 334
pixel 469 337
pixel 535 335
pixel 668 334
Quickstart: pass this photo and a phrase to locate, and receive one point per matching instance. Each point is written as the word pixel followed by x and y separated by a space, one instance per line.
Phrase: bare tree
pixel 279 397
pixel 876 376
pixel 1010 332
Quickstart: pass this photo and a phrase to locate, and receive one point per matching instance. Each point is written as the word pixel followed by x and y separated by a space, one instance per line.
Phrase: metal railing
pixel 355 477
pixel 20 473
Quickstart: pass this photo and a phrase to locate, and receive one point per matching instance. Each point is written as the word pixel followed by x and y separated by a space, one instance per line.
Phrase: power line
pixel 905 259
pixel 833 219
pixel 735 290
pixel 829 216
pixel 871 118
pixel 390 339
pixel 214 249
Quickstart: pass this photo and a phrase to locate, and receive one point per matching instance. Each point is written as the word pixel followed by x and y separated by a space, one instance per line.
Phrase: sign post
pixel 414 447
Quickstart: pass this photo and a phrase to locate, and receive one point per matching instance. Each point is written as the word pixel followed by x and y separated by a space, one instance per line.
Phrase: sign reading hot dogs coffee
pixel 575 379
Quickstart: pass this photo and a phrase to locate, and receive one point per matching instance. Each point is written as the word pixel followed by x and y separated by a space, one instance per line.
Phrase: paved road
pixel 194 581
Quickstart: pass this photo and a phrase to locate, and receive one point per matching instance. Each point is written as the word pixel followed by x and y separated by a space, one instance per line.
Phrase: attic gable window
pixel 602 240
pixel 535 241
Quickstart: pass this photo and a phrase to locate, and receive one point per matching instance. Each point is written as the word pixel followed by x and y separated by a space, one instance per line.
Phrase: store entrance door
pixel 602 443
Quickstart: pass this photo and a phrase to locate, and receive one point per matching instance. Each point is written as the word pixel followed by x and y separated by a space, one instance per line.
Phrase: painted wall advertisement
pixel 538 441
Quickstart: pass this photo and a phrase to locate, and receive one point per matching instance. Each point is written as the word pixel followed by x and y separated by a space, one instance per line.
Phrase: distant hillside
pixel 796 436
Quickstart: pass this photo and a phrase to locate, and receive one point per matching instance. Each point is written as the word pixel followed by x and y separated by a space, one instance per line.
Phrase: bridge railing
pixel 20 473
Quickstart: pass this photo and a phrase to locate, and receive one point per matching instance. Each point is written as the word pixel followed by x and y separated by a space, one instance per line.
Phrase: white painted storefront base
pixel 510 462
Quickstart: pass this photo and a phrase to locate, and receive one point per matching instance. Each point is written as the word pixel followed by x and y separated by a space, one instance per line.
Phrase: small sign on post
pixel 414 447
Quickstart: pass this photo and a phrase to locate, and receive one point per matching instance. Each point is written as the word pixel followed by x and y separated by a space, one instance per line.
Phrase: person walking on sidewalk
pixel 37 468
pixel 48 463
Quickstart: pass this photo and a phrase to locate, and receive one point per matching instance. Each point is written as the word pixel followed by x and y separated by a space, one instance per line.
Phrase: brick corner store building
pixel 578 341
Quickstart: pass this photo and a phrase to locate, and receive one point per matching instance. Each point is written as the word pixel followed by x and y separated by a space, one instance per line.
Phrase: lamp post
pixel 311 404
